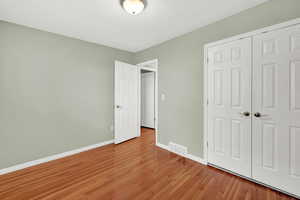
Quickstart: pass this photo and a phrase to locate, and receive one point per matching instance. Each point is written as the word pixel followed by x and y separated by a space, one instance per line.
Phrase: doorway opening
pixel 136 100
pixel 148 97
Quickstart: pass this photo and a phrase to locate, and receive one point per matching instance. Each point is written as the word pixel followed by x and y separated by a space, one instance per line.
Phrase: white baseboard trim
pixel 53 157
pixel 189 156
pixel 196 159
pixel 165 147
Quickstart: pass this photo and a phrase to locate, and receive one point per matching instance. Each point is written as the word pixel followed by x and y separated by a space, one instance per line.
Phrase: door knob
pixel 118 106
pixel 246 113
pixel 257 114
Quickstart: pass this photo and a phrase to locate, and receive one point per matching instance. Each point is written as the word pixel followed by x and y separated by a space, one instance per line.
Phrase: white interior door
pixel 276 102
pixel 126 102
pixel 229 96
pixel 148 100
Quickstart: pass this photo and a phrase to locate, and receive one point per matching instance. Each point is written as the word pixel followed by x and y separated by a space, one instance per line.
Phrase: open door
pixel 126 102
pixel 148 99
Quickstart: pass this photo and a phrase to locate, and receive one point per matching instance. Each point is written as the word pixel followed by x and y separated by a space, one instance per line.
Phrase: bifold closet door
pixel 229 96
pixel 276 106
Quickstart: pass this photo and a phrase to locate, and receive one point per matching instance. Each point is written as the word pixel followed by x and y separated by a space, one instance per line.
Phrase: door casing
pixel 145 66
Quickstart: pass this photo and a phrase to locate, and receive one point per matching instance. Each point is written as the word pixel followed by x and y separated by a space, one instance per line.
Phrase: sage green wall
pixel 181 70
pixel 56 93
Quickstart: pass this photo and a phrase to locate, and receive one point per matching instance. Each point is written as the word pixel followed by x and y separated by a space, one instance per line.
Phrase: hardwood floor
pixel 136 169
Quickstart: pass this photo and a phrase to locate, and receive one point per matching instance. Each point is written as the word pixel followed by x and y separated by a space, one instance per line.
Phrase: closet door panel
pixel 229 71
pixel 276 97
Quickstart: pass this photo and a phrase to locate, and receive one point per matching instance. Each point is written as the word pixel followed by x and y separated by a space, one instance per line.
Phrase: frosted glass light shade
pixel 133 7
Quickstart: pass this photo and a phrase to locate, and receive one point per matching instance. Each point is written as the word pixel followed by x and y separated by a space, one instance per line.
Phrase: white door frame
pixel 205 72
pixel 144 66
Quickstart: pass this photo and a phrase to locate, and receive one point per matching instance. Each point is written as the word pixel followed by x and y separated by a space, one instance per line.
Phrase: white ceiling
pixel 105 22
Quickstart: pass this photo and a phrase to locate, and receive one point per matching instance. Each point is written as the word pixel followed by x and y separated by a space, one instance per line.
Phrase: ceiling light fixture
pixel 133 7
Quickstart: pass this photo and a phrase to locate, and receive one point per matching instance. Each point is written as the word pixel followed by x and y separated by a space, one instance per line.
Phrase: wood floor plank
pixel 133 170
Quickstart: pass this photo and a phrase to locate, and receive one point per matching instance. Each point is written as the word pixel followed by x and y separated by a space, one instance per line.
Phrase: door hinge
pixel 207 102
pixel 207 144
pixel 207 60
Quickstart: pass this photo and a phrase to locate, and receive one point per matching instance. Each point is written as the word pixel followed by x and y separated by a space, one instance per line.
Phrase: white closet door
pixel 148 100
pixel 276 97
pixel 126 102
pixel 229 96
